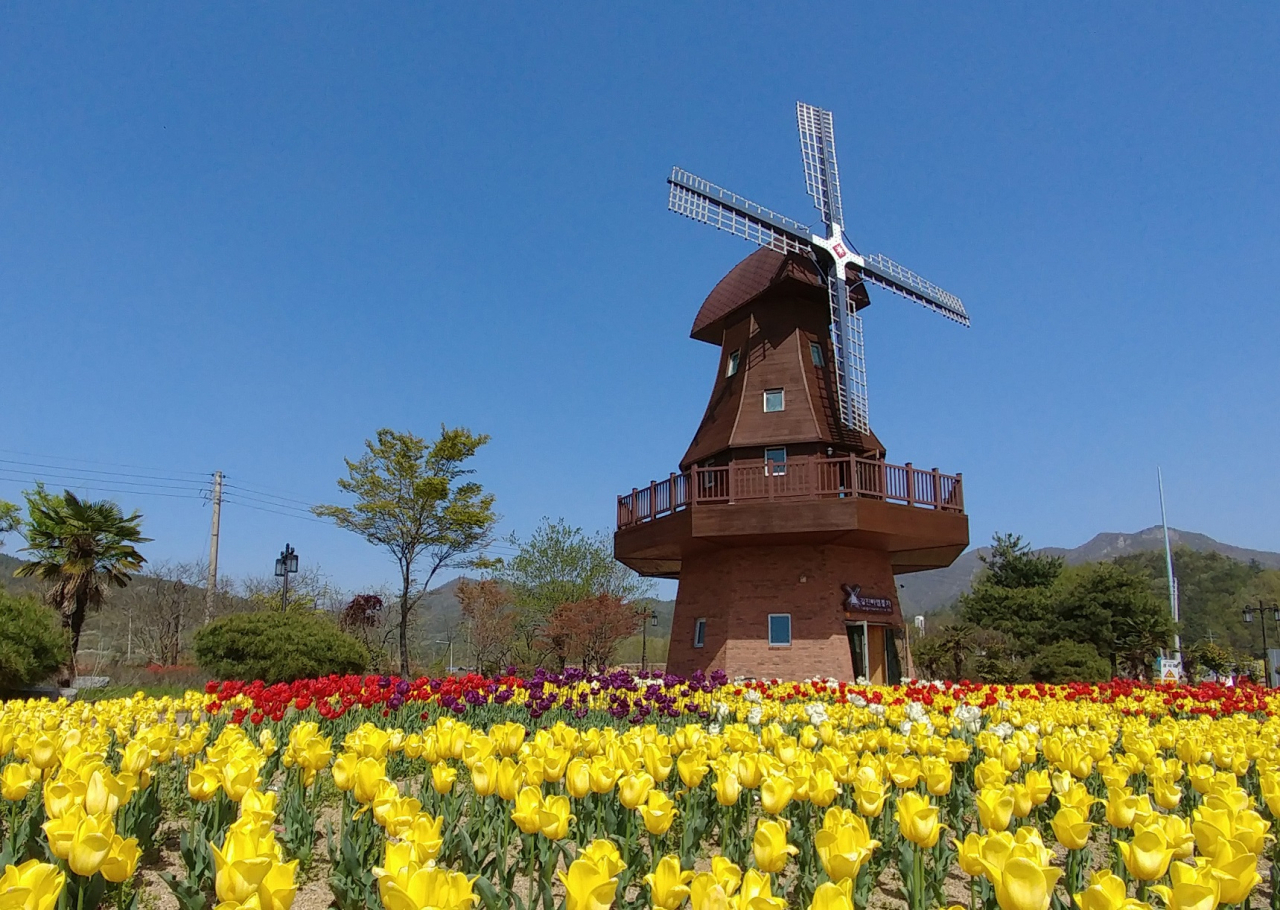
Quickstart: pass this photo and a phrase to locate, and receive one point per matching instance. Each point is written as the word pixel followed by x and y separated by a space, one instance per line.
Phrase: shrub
pixel 1069 661
pixel 277 647
pixel 33 645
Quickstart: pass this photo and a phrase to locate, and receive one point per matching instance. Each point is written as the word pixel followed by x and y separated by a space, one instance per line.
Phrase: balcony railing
pixel 800 478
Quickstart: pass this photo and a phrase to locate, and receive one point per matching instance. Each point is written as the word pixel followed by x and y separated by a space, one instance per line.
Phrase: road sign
pixel 1170 669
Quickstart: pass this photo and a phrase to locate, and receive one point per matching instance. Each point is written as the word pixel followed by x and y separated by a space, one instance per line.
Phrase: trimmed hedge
pixel 277 647
pixel 33 644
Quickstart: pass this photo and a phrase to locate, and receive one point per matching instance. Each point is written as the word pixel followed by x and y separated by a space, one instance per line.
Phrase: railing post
pixel 937 490
pixel 959 491
pixel 911 484
pixel 635 505
pixel 671 491
pixel 653 499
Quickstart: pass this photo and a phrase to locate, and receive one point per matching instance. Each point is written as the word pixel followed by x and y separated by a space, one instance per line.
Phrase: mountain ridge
pixel 927 592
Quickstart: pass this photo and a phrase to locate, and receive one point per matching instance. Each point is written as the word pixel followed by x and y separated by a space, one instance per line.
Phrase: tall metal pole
pixel 1266 655
pixel 644 640
pixel 211 584
pixel 1168 561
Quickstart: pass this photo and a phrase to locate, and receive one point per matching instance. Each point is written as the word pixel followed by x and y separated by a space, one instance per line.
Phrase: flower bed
pixel 589 791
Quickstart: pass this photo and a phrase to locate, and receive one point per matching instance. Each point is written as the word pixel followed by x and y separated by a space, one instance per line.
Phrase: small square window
pixel 779 630
pixel 773 400
pixel 776 460
pixel 815 352
pixel 699 633
pixel 731 365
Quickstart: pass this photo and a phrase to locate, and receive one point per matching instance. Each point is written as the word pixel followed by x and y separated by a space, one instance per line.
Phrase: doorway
pixel 857 632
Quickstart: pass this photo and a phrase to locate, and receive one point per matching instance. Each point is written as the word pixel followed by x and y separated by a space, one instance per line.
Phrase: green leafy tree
pixel 1011 563
pixel 411 499
pixel 560 564
pixel 1115 610
pixel 32 643
pixel 1069 661
pixel 81 549
pixel 10 519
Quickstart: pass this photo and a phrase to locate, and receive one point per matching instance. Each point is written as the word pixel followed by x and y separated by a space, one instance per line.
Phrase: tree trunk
pixel 407 580
pixel 73 621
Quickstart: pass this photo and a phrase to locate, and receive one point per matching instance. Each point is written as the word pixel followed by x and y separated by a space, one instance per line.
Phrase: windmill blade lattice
pixel 821 174
pixel 703 201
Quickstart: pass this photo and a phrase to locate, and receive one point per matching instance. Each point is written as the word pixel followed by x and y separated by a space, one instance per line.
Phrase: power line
pixel 265 502
pixel 249 489
pixel 66 474
pixel 94 487
pixel 235 500
pixel 110 464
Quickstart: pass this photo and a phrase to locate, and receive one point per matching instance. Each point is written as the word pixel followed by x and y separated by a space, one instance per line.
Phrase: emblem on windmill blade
pixel 854 602
pixel 838 260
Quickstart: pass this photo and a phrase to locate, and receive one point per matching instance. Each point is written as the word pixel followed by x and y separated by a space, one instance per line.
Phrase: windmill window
pixel 815 352
pixel 773 400
pixel 699 633
pixel 779 630
pixel 731 365
pixel 776 460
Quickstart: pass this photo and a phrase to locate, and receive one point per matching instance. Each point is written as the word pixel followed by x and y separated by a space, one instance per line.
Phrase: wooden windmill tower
pixel 785 524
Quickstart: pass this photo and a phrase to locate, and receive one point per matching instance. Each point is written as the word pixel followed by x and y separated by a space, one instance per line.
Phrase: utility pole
pixel 211 585
pixel 1173 582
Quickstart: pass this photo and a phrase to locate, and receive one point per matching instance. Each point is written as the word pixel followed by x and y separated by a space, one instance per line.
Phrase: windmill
pixel 846 271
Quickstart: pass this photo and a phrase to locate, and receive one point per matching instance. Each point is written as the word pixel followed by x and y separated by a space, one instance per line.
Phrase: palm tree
pixel 82 549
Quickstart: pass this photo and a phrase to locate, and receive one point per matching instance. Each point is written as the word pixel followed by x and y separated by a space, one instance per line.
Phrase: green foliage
pixel 1036 603
pixel 1012 564
pixel 81 549
pixel 277 647
pixel 1069 661
pixel 410 500
pixel 32 643
pixel 10 519
pixel 560 564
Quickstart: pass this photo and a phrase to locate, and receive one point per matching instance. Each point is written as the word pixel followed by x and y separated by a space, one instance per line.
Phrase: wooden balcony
pixel 799 479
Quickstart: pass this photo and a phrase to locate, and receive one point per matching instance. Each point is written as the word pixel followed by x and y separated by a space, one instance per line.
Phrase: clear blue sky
pixel 245 236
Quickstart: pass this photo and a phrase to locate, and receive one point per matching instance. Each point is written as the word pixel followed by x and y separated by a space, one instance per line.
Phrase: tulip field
pixel 588 792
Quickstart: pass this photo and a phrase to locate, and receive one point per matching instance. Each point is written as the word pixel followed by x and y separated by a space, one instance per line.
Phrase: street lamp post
pixel 1260 612
pixel 286 565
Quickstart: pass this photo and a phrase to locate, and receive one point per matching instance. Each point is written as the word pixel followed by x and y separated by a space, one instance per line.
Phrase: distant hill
pixel 925 592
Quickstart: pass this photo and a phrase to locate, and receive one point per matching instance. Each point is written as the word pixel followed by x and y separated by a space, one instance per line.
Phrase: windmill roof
pixel 749 279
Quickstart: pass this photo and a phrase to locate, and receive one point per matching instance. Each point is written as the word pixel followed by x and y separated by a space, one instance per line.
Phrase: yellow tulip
pixel 692 767
pixel 90 845
pixel 757 893
pixel 31 886
pixel 555 816
pixel 1070 828
pixel 587 887
pixel 634 789
pixel 415 887
pixel 937 776
pixel 1023 884
pixel 775 793
pixel 844 845
pixel 833 896
pixel 508 782
pixel 769 845
pixel 658 812
pixel 870 797
pixel 279 887
pixel 443 777
pixel 424 836
pixel 823 789
pixel 577 778
pixel 17 779
pixel 1148 855
pixel 1106 891
pixel 344 771
pixel 1192 889
pixel 918 820
pixel 1122 806
pixel 527 813
pixel 727 788
pixel 369 776
pixel 122 860
pixel 604 853
pixel 1236 870
pixel 237 879
pixel 668 884
pixel 995 808
pixel 990 774
pixel 239 776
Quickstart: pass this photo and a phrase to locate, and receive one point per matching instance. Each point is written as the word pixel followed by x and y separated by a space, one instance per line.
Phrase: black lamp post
pixel 286 565
pixel 1261 612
